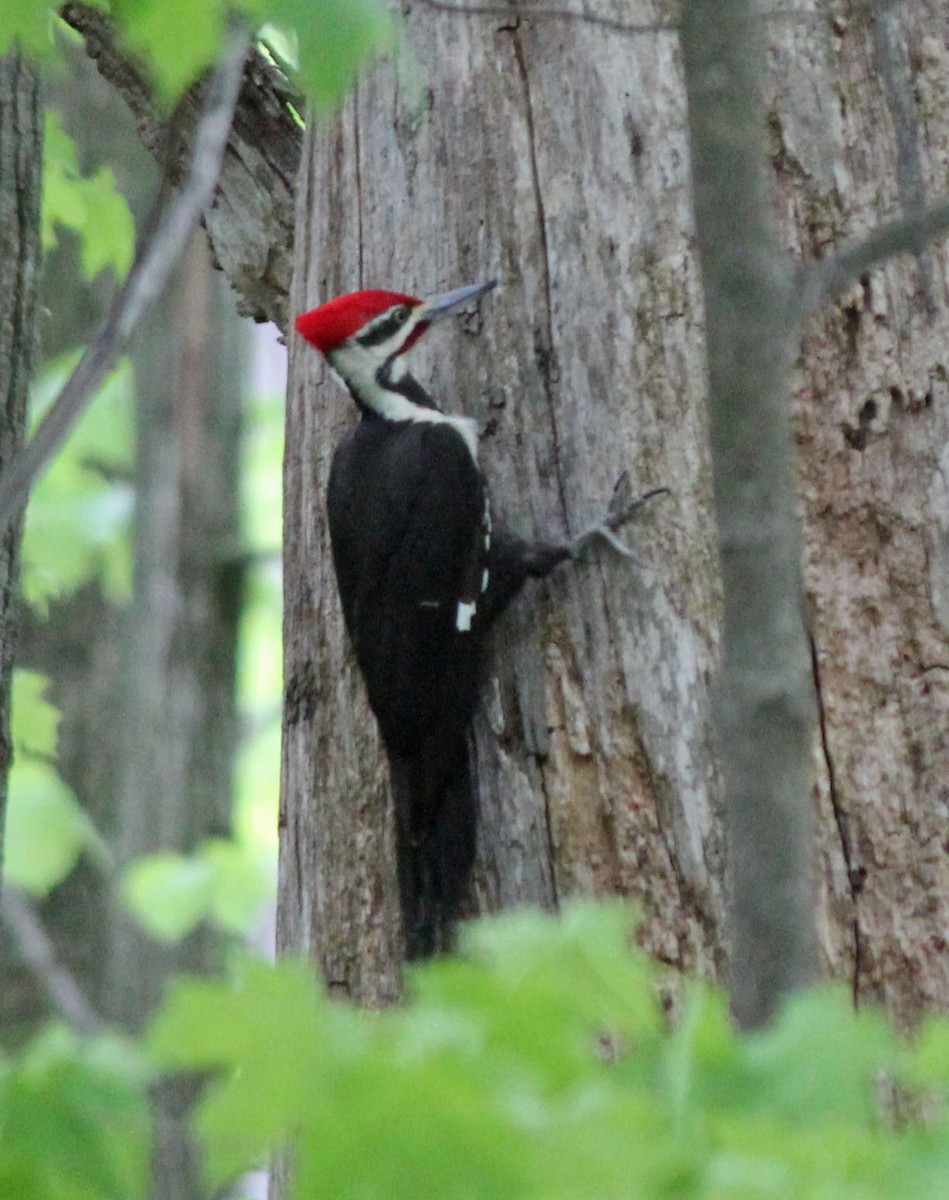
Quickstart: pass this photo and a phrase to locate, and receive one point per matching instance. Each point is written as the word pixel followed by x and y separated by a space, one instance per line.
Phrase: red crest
pixel 337 320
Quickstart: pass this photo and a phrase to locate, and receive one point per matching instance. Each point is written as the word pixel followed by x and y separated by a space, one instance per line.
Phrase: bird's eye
pixel 401 314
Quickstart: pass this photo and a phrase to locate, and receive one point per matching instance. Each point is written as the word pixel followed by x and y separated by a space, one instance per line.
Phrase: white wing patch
pixel 465 613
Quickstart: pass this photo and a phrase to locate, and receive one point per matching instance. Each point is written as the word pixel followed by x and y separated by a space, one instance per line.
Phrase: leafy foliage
pixel 223 882
pixel 179 39
pixel 89 205
pixel 73 1120
pixel 46 829
pixel 539 1064
pixel 80 511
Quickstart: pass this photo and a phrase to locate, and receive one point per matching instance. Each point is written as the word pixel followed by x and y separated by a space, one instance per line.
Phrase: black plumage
pixel 406 511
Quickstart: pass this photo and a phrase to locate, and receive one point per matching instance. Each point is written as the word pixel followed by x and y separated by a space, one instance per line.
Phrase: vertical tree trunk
pixel 182 718
pixel 553 155
pixel 763 700
pixel 853 105
pixel 21 158
pixel 553 158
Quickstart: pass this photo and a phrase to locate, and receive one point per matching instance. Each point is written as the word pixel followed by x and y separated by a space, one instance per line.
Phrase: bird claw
pixel 623 507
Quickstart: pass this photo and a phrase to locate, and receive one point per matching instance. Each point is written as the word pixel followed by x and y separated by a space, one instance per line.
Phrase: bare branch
pixel 819 281
pixel 39 955
pixel 145 282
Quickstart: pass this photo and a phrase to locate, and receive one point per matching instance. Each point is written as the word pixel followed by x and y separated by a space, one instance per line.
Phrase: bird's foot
pixel 623 508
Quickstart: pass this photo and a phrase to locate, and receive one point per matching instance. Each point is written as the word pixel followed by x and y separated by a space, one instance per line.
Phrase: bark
pixel 591 745
pixel 872 429
pixel 567 142
pixel 763 699
pixel 21 158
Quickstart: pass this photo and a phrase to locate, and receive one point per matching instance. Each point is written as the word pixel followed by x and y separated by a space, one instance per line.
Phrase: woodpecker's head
pixel 364 334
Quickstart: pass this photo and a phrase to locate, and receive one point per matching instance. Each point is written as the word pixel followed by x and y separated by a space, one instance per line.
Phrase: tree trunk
pixel 21 158
pixel 553 155
pixel 181 719
pixel 764 698
pixel 592 742
pixel 853 106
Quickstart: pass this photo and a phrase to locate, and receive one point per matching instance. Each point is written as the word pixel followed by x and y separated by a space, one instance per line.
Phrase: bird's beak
pixel 436 307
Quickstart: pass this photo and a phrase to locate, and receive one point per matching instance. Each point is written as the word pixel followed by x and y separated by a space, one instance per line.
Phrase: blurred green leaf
pixel 35 722
pixel 241 883
pixel 88 204
pixel 168 893
pixel 178 39
pixel 74 1120
pixel 46 828
pixel 536 1064
pixel 335 38
pixel 267 1028
pixel 80 511
pixel 224 882
pixel 28 23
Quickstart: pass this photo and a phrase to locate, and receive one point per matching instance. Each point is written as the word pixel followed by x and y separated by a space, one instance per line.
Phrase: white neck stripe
pixel 356 370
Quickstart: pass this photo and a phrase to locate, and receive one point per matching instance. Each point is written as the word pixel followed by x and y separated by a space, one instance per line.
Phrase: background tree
pixel 20 181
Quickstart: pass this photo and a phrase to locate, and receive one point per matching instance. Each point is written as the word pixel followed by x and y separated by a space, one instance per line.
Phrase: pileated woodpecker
pixel 423 568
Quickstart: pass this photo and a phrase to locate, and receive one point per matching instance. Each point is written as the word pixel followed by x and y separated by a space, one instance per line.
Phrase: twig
pixel 39 955
pixel 818 281
pixel 144 284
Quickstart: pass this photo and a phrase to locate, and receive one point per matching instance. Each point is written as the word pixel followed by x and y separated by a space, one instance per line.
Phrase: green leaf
pixel 241 882
pixel 28 23
pixel 75 1120
pixel 268 1029
pixel 90 205
pixel 820 1059
pixel 168 893
pixel 335 38
pixel 178 39
pixel 930 1053
pixel 46 828
pixel 35 721
pixel 80 511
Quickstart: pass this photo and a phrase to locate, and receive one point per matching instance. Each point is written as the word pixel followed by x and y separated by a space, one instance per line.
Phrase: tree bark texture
pixel 21 159
pixel 553 158
pixel 860 132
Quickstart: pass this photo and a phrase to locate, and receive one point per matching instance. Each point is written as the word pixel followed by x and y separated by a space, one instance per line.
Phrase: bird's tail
pixel 435 838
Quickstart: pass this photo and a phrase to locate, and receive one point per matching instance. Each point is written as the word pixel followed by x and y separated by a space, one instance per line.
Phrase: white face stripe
pixel 355 366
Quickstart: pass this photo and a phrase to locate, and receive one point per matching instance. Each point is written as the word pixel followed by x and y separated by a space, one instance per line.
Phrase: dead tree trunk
pixel 859 134
pixel 553 158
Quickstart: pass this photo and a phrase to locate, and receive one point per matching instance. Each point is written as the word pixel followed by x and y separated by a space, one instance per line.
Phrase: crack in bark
pixel 854 873
pixel 358 181
pixel 548 826
pixel 547 358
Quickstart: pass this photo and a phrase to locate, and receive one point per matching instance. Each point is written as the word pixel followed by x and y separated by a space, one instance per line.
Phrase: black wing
pixel 406 507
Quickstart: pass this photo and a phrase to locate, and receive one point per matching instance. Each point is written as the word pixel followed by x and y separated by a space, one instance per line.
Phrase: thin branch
pixel 39 955
pixel 821 280
pixel 144 284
